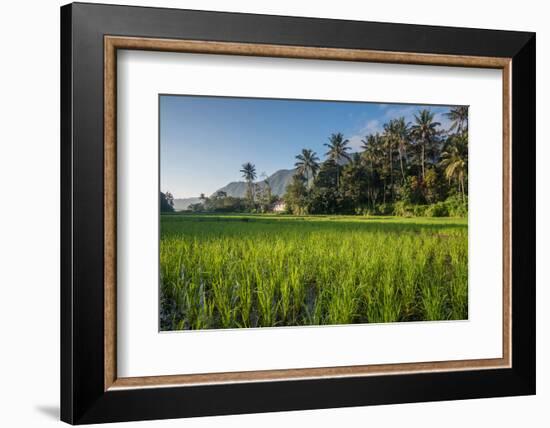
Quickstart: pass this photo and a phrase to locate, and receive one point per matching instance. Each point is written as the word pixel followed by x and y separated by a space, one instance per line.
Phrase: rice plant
pixel 241 271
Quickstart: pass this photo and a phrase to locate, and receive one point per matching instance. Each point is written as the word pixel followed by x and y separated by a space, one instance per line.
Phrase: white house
pixel 278 207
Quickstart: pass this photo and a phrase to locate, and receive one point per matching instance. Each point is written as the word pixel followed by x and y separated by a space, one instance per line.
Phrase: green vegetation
pixel 341 257
pixel 166 202
pixel 418 169
pixel 230 271
pixel 410 169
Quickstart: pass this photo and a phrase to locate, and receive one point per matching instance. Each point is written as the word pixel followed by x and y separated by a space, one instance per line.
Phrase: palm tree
pixel 267 193
pixel 307 165
pixel 401 135
pixel 459 118
pixel 455 162
pixel 372 150
pixel 389 138
pixel 249 174
pixel 424 131
pixel 374 155
pixel 337 151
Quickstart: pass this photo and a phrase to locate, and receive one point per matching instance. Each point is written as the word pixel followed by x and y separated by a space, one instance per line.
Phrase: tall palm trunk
pixel 423 172
pixel 402 169
pixel 250 193
pixel 402 154
pixel 391 174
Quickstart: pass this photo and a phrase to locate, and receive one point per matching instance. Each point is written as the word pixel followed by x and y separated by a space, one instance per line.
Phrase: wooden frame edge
pixel 109 198
pixel 507 213
pixel 299 374
pixel 301 52
pixel 112 43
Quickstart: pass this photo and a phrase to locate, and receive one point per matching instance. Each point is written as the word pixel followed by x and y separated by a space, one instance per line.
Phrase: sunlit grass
pixel 231 271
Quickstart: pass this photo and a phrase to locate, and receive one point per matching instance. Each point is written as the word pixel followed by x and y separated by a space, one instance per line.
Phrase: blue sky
pixel 205 140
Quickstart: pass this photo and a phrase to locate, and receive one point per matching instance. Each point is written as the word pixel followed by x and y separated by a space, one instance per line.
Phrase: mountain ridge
pixel 278 181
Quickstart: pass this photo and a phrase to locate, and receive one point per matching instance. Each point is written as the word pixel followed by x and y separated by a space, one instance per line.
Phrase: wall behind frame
pixel 29 218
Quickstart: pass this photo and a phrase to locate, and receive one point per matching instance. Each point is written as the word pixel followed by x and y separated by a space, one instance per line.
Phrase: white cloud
pixel 407 112
pixel 355 143
pixel 391 111
pixel 371 126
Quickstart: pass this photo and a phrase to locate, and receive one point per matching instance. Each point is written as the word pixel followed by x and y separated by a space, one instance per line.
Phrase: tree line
pixel 259 197
pixel 413 168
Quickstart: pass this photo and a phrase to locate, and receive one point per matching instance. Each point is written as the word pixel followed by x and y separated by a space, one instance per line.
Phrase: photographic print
pixel 283 212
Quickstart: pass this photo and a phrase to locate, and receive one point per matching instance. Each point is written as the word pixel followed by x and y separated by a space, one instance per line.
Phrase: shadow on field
pixel 326 222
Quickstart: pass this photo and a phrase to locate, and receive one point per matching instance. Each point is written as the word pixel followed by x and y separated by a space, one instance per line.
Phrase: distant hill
pixel 278 182
pixel 237 189
pixel 183 203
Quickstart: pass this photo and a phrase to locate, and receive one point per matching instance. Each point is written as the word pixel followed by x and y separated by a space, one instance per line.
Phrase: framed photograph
pixel 267 213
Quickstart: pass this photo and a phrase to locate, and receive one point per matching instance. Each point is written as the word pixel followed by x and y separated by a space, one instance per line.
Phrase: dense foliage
pixel 259 200
pixel 408 169
pixel 166 202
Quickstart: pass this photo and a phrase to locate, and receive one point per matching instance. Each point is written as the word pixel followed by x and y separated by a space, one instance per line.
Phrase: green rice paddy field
pixel 231 271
